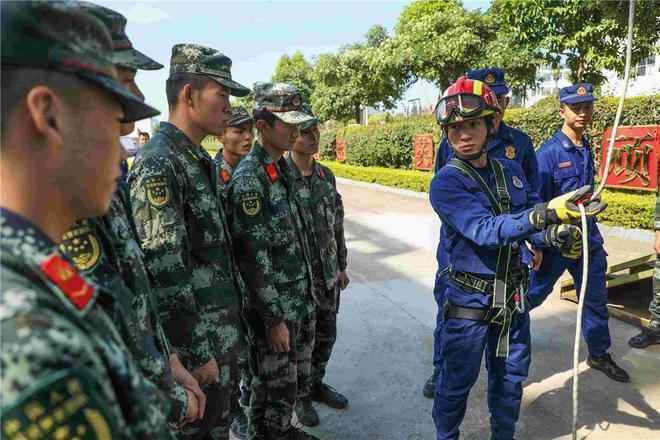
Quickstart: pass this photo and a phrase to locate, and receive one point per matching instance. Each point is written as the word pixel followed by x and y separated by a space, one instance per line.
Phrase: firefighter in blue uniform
pixel 488 209
pixel 508 143
pixel 566 163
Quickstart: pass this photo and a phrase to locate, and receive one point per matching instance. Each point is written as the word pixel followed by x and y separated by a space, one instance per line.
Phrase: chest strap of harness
pixel 507 298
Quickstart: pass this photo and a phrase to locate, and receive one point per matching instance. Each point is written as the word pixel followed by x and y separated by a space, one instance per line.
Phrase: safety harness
pixel 509 287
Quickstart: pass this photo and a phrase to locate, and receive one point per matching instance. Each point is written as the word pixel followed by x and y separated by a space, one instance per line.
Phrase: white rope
pixel 585 237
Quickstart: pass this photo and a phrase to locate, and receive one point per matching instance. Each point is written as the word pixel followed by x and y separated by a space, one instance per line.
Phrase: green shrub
pixel 625 209
pixel 390 145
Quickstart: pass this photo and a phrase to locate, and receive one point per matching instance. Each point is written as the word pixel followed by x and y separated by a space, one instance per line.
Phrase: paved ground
pixel 383 355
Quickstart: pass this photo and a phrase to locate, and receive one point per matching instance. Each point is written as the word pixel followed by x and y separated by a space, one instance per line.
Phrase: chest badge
pixel 510 152
pixel 251 204
pixel 517 182
pixel 565 164
pixel 158 191
pixel 82 246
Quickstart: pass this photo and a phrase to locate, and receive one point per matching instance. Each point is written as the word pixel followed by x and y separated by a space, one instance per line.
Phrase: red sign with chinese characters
pixel 341 149
pixel 635 157
pixel 424 152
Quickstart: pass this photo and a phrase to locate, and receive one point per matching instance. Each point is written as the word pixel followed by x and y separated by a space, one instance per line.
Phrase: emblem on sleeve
pixel 60 272
pixel 158 191
pixel 510 152
pixel 251 204
pixel 517 182
pixel 82 245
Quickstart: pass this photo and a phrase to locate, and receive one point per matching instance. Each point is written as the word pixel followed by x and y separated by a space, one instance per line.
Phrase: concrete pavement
pixel 385 344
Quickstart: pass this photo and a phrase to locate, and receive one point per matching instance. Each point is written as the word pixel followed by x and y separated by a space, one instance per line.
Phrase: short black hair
pixel 16 82
pixel 259 113
pixel 176 82
pixel 145 134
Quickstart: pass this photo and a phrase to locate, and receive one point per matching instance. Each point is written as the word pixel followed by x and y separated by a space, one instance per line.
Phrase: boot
pixel 326 394
pixel 306 412
pixel 645 338
pixel 605 364
pixel 429 386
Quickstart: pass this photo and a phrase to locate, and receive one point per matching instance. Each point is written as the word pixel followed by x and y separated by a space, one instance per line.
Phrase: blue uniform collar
pixel 567 143
pixel 503 136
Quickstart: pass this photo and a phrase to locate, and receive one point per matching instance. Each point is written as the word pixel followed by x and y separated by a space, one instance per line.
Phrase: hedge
pixel 390 145
pixel 626 209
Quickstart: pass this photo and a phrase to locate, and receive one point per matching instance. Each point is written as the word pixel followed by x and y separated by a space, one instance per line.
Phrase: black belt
pixel 487 286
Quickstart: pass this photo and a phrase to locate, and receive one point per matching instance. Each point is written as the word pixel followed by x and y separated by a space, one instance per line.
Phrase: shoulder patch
pixel 60 272
pixel 62 405
pixel 517 182
pixel 251 204
pixel 158 191
pixel 82 246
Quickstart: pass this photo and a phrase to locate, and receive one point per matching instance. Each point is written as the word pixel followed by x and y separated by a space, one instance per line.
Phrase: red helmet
pixel 465 99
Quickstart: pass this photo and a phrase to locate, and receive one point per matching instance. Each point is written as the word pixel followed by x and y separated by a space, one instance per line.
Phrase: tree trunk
pixel 580 70
pixel 357 112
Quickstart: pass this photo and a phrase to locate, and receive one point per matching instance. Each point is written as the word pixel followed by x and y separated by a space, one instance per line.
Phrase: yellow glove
pixel 566 238
pixel 564 209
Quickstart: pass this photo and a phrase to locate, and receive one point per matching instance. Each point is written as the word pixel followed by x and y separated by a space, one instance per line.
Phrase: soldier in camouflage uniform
pixel 236 143
pixel 65 371
pixel 324 211
pixel 651 335
pixel 106 249
pixel 184 234
pixel 268 233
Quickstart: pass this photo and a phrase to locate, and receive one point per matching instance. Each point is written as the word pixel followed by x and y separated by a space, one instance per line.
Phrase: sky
pixel 255 34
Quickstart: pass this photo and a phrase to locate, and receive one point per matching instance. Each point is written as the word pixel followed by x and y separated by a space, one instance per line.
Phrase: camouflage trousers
pixel 654 306
pixel 216 422
pixel 276 378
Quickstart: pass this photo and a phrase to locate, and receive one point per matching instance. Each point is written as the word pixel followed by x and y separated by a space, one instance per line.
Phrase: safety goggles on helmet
pixel 465 99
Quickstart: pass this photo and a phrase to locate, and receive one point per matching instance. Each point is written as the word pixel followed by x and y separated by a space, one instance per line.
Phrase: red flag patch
pixel 321 174
pixel 225 175
pixel 272 172
pixel 60 272
pixel 565 164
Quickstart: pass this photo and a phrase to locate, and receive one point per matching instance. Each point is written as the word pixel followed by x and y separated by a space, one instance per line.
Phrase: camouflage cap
pixel 314 121
pixel 193 58
pixel 239 115
pixel 61 36
pixel 124 53
pixel 281 99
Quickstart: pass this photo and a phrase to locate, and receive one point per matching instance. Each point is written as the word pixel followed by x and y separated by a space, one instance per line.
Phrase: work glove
pixel 564 209
pixel 566 238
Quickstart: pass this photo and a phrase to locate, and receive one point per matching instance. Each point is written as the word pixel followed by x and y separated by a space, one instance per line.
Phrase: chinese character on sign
pixel 424 152
pixel 634 159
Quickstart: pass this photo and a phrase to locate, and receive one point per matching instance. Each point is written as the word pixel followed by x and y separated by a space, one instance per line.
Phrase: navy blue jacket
pixel 510 143
pixel 563 167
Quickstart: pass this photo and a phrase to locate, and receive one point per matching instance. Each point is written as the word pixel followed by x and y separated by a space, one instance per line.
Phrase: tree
pixel 440 40
pixel 376 35
pixel 357 76
pixel 586 35
pixel 296 70
pixel 245 101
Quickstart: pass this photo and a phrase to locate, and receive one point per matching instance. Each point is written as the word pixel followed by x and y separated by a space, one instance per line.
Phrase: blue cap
pixel 493 77
pixel 577 93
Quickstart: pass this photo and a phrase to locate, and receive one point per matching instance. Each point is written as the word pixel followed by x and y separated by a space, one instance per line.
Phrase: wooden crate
pixel 629 290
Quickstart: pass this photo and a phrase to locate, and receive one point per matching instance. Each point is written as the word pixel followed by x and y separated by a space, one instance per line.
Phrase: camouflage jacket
pixel 271 248
pixel 188 252
pixel 65 370
pixel 225 171
pixel 324 211
pixel 106 250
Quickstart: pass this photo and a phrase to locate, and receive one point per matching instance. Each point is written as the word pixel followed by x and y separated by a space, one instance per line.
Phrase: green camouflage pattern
pixel 275 380
pixel 61 363
pixel 61 36
pixel 124 53
pixel 314 121
pixel 271 248
pixel 106 250
pixel 188 253
pixel 239 115
pixel 654 306
pixel 324 212
pixel 193 58
pixel 225 172
pixel 325 337
pixel 282 100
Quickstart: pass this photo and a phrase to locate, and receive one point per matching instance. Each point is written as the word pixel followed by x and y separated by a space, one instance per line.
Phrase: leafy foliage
pixel 296 70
